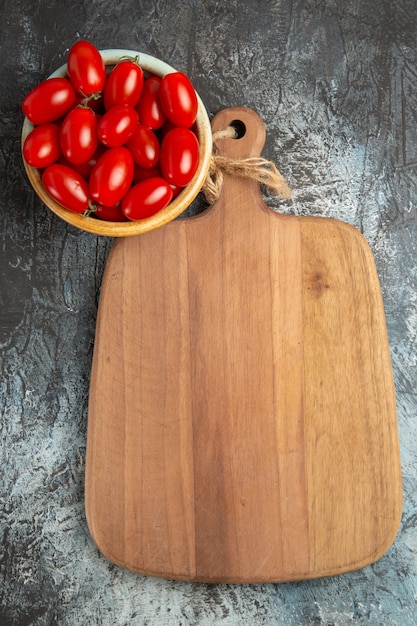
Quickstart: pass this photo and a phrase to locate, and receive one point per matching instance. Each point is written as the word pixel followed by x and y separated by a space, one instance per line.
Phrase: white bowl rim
pixel 113 55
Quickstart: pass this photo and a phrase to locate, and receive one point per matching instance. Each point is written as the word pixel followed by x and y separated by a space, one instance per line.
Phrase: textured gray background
pixel 336 84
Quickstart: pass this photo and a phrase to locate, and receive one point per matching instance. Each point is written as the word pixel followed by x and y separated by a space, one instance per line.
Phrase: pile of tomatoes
pixel 119 145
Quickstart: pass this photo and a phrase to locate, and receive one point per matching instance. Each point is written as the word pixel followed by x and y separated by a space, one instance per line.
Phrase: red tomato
pixel 49 101
pixel 111 176
pixel 178 99
pixel 144 146
pixel 180 155
pixel 41 147
pixel 168 125
pixel 175 191
pixel 78 135
pixel 86 68
pixel 117 125
pixel 67 187
pixel 124 84
pixel 110 213
pixel 146 198
pixel 95 102
pixel 85 168
pixel 142 173
pixel 149 106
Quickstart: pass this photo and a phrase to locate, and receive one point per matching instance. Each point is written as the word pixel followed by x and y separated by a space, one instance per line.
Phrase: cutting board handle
pixel 239 184
pixel 250 130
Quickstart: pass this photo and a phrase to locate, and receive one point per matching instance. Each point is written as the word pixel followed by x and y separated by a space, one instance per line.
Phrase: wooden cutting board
pixel 242 418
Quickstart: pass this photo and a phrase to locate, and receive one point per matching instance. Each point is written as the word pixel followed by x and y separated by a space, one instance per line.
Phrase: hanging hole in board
pixel 239 128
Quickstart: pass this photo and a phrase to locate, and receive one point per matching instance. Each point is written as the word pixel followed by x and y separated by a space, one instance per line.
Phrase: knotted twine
pixel 255 168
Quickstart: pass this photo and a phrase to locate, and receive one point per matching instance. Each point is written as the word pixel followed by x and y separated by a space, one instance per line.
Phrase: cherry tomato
pixel 168 125
pixel 117 125
pixel 142 173
pixel 110 213
pixel 49 101
pixel 67 187
pixel 146 198
pixel 111 176
pixel 180 155
pixel 78 135
pixel 86 68
pixel 85 168
pixel 149 107
pixel 95 102
pixel 144 146
pixel 41 147
pixel 124 84
pixel 178 99
pixel 175 191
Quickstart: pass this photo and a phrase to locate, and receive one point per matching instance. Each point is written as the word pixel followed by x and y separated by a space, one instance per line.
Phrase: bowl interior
pixel 150 65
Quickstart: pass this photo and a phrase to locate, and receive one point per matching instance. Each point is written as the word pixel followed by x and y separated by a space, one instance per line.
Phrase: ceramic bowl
pixel 150 65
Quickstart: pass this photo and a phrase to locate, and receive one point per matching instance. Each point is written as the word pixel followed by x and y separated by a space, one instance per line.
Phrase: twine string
pixel 255 168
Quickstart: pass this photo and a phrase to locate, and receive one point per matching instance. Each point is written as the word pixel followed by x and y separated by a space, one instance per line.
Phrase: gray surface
pixel 336 84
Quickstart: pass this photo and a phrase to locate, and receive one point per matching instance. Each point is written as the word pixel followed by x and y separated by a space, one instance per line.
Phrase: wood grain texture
pixel 242 420
pixel 335 84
